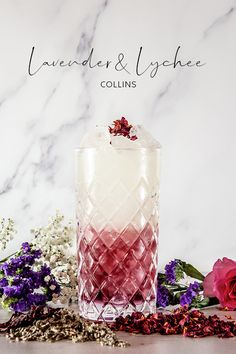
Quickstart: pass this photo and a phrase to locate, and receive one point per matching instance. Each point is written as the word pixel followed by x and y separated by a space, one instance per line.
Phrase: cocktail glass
pixel 117 193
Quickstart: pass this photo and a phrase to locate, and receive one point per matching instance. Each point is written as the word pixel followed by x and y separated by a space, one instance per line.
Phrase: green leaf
pixel 199 303
pixel 19 271
pixel 176 287
pixel 6 302
pixel 206 301
pixel 161 277
pixel 192 271
pixel 213 301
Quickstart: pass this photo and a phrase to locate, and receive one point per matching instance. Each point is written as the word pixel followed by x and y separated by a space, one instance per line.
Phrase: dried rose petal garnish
pixel 122 127
pixel 193 324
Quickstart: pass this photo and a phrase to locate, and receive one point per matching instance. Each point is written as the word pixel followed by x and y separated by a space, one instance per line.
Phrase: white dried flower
pixel 63 300
pixel 52 287
pixel 7 232
pixel 47 278
pixel 53 259
pixel 56 243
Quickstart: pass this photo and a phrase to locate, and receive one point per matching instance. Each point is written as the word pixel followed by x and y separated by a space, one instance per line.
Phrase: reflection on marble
pixel 190 110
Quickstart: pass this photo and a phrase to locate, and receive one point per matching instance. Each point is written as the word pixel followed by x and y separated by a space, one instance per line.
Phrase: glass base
pixel 109 312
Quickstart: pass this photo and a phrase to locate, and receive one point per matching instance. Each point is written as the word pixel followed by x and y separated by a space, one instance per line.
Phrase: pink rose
pixel 221 283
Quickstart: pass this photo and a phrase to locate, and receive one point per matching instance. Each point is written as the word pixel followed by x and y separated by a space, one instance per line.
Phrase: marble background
pixel 190 110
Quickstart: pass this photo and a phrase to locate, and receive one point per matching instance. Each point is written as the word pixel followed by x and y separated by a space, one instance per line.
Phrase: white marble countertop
pixel 143 344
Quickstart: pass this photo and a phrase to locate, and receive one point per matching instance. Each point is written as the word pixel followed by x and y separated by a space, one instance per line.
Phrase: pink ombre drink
pixel 117 187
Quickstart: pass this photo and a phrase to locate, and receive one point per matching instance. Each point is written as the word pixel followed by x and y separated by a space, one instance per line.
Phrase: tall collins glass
pixel 117 189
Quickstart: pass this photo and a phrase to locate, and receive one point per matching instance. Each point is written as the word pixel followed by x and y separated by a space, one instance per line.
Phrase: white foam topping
pixel 99 137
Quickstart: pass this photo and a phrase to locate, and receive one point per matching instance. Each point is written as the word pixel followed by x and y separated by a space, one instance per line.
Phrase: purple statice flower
pixel 190 294
pixel 170 271
pixel 21 305
pixel 7 270
pixel 23 284
pixel 20 261
pixel 37 299
pixel 163 296
pixel 26 248
pixel 12 291
pixel 3 282
pixel 45 270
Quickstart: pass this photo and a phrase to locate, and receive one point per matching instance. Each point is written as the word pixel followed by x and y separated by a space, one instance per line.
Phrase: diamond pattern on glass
pixel 117 261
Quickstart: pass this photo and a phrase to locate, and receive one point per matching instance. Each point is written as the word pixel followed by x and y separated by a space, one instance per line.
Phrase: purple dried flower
pixel 173 272
pixel 190 294
pixel 45 270
pixel 3 282
pixel 163 296
pixel 37 299
pixel 26 247
pixel 20 306
pixel 12 291
pixel 22 284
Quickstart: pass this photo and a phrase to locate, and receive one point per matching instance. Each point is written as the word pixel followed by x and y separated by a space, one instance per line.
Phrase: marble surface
pixel 153 344
pixel 191 110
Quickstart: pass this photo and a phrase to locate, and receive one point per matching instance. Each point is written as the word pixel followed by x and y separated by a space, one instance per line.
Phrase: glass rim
pixel 118 148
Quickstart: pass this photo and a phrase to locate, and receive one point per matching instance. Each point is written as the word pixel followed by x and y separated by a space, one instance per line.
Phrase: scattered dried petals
pixel 194 324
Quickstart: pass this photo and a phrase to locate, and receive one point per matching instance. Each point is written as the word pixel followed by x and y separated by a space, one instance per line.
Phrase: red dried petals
pixel 122 127
pixel 193 324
